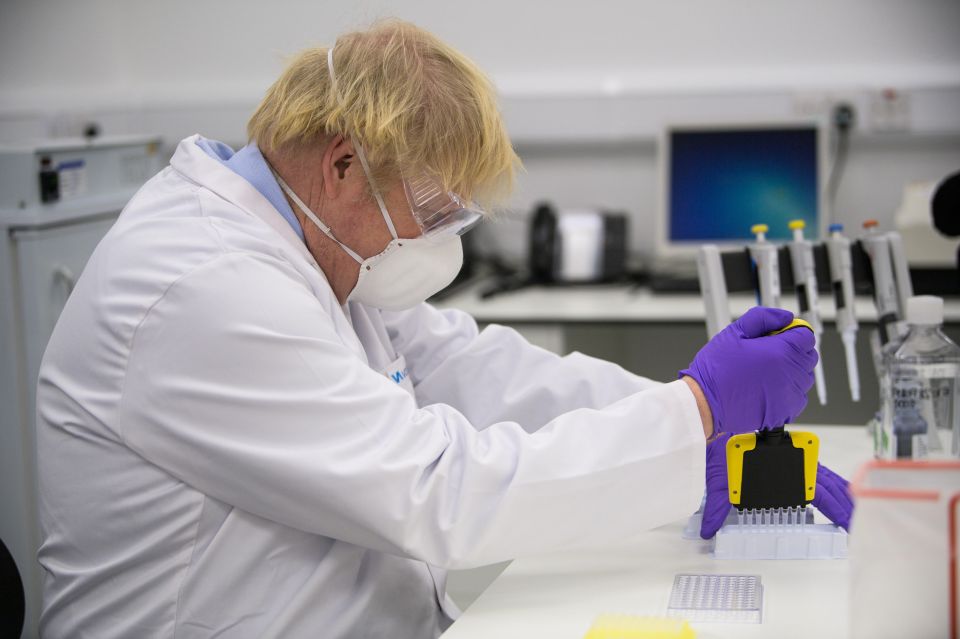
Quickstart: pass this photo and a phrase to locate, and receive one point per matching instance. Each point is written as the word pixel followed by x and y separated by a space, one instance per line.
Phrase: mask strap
pixel 376 191
pixel 359 150
pixel 333 76
pixel 316 220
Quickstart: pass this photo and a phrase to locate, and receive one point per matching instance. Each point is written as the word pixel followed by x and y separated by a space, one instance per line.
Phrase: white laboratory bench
pixel 557 596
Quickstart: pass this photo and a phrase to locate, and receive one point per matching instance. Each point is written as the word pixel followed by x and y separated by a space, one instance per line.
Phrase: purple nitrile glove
pixel 753 380
pixel 717 504
pixel 832 497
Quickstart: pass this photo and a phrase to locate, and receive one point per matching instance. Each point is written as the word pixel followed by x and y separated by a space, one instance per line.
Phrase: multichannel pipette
pixel 805 278
pixel 877 247
pixel 771 481
pixel 841 275
pixel 764 256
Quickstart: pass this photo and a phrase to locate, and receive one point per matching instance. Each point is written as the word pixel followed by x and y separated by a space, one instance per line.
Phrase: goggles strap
pixel 333 75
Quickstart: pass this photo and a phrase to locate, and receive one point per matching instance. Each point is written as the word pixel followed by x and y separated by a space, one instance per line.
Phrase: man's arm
pixel 238 385
pixel 496 374
pixel 706 416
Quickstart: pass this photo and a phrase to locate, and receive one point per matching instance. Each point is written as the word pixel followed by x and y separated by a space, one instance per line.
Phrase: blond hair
pixel 413 102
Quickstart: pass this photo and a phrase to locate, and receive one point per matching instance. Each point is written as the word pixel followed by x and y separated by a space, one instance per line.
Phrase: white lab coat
pixel 226 451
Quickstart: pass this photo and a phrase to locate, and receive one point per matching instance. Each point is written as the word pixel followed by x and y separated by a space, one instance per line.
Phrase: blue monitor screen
pixel 723 181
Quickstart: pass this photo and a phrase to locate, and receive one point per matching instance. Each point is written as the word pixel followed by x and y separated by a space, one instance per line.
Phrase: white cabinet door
pixel 47 262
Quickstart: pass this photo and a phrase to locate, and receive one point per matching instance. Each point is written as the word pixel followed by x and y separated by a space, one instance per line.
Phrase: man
pixel 250 424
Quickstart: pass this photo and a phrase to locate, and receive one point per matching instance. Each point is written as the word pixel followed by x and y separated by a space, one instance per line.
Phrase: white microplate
pixel 766 541
pixel 772 535
pixel 717 598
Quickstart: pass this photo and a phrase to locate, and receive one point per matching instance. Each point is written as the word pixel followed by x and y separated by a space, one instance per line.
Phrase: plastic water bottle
pixel 880 426
pixel 923 410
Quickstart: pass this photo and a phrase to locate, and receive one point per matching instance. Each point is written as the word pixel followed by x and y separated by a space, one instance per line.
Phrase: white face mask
pixel 405 273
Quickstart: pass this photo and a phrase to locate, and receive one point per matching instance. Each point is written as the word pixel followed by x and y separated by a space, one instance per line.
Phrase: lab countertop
pixel 616 303
pixel 558 596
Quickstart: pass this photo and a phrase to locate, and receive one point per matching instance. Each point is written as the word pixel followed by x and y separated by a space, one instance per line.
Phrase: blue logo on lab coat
pixel 399 376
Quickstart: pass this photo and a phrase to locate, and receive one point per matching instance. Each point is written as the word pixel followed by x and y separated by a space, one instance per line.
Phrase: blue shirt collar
pixel 249 164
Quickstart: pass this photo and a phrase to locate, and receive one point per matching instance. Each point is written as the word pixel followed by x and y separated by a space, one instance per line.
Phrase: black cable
pixel 843 120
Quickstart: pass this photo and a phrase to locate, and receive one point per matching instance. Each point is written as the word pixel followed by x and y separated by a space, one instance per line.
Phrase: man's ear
pixel 337 160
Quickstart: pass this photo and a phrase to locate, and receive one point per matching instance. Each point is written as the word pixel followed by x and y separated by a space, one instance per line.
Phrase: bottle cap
pixel 869 224
pixel 797 224
pixel 835 227
pixel 759 228
pixel 925 310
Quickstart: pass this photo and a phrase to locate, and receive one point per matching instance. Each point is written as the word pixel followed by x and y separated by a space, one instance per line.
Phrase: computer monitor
pixel 718 180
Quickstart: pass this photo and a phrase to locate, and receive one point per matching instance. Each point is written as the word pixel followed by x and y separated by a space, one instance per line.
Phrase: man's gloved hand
pixel 717 504
pixel 832 497
pixel 754 380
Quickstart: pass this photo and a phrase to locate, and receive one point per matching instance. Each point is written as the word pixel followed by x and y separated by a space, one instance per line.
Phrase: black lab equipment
pixel 577 246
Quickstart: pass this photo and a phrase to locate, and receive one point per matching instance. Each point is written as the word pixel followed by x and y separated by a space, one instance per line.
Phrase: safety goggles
pixel 439 214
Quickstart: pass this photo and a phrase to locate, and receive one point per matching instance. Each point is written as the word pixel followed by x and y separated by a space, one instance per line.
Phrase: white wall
pixel 585 85
pixel 100 52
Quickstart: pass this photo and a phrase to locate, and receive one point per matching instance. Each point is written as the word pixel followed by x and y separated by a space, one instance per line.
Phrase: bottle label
pixel 923 411
pixel 934 371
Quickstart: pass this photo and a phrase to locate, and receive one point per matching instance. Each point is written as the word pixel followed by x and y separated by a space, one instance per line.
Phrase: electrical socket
pixel 889 110
pixel 821 104
pixel 69 124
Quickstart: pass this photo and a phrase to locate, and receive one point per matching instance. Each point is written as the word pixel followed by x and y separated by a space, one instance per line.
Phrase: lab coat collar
pixel 194 163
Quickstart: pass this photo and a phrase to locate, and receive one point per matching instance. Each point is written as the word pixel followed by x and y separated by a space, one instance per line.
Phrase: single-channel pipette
pixel 805 277
pixel 713 288
pixel 841 276
pixel 877 247
pixel 764 256
pixel 901 273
